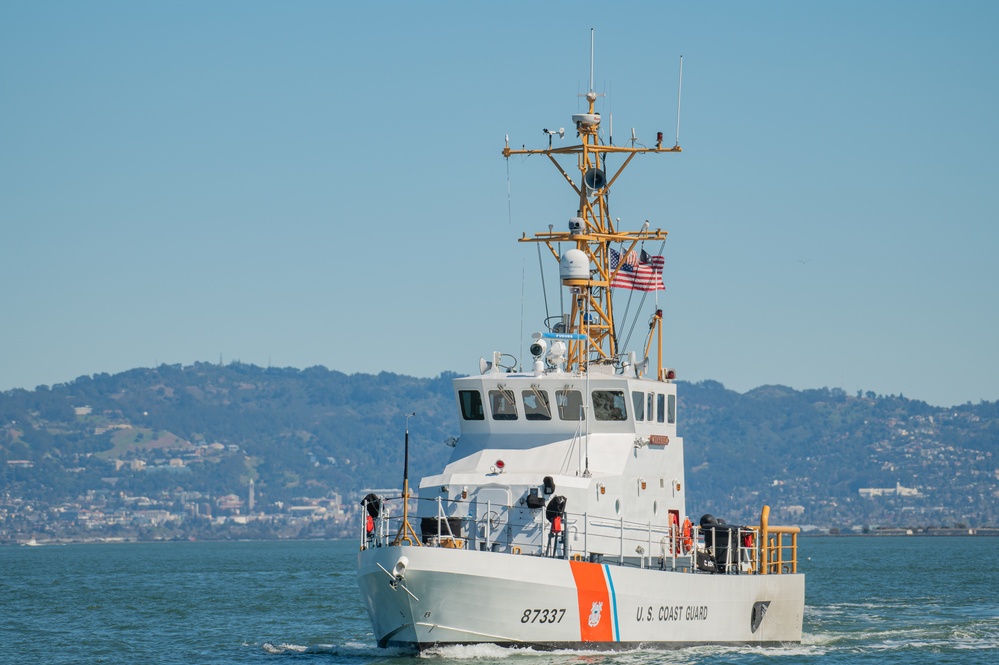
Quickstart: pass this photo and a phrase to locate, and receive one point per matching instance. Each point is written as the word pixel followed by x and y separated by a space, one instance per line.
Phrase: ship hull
pixel 440 596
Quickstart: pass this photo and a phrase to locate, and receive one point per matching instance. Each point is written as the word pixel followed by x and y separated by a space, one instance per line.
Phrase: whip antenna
pixel 591 59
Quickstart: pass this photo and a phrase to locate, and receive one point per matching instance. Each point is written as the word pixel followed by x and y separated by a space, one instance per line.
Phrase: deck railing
pixel 763 549
pixel 778 546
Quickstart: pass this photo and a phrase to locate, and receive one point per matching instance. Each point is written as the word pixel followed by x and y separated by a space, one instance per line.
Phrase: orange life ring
pixel 688 539
pixel 683 540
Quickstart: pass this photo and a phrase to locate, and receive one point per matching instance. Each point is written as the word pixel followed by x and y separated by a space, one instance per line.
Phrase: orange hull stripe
pixel 595 611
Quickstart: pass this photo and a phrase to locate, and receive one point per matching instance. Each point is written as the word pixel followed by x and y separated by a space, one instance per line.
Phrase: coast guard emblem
pixel 595 614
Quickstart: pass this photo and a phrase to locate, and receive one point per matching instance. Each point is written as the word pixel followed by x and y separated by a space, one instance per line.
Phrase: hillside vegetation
pixel 207 429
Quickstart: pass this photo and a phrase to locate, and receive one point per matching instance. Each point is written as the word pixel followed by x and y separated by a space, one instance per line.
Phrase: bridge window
pixel 650 407
pixel 536 405
pixel 471 404
pixel 502 404
pixel 661 412
pixel 609 405
pixel 671 412
pixel 638 399
pixel 570 404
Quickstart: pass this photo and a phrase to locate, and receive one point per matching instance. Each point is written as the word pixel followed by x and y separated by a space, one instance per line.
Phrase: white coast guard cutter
pixel 560 520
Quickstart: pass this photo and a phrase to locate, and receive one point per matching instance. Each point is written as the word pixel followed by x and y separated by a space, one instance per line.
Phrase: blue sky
pixel 320 183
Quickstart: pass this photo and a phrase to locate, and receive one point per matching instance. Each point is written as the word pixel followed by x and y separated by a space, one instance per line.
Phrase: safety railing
pixel 726 549
pixel 778 547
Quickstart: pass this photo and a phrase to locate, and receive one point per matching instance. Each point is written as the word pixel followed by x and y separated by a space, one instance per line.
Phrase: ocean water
pixel 868 600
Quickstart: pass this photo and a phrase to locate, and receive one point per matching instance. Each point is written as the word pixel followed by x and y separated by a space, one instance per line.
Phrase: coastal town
pixel 108 514
pixel 209 452
pixel 112 514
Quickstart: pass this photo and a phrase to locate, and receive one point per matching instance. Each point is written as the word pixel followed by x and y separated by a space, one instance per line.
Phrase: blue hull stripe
pixel 613 596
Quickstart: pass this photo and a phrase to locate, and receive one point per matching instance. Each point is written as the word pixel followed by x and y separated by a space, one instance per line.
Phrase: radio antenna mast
pixel 591 59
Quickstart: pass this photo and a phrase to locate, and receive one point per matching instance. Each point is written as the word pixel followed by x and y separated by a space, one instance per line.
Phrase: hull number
pixel 542 616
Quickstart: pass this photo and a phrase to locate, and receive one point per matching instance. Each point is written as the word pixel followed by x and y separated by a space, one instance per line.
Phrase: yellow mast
pixel 592 313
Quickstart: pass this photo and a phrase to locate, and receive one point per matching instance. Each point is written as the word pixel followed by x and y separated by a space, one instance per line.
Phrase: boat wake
pixel 486 653
pixel 347 651
pixel 890 626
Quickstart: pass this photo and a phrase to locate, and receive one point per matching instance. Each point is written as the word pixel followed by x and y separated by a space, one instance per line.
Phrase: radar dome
pixel 575 264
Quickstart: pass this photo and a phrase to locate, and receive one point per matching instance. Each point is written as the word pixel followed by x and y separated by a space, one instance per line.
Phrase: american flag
pixel 643 273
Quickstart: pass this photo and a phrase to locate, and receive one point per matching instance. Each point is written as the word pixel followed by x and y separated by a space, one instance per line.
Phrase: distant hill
pixel 297 432
pixel 818 457
pixel 813 453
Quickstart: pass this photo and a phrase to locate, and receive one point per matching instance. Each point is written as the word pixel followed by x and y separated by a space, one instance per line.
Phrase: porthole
pixel 655 507
pixel 617 506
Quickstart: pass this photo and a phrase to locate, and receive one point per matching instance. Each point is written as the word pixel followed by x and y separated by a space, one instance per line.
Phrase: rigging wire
pixel 627 308
pixel 561 295
pixel 585 407
pixel 544 289
pixel 631 331
pixel 523 281
pixel 627 340
pixel 509 198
